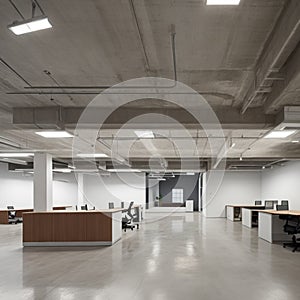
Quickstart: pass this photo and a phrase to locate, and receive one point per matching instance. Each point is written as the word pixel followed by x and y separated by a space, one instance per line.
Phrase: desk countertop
pixel 282 212
pixel 114 210
pixel 245 206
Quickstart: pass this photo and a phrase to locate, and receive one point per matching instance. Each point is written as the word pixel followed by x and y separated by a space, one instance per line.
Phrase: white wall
pixel 242 187
pixel 153 191
pixel 17 189
pixel 117 188
pixel 64 190
pixel 282 183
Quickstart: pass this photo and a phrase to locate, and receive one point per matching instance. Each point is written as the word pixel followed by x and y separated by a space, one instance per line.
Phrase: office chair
pixel 122 204
pixel 12 216
pixel 282 207
pixel 127 221
pixel 258 202
pixel 286 203
pixel 269 205
pixel 111 205
pixel 292 226
pixel 84 207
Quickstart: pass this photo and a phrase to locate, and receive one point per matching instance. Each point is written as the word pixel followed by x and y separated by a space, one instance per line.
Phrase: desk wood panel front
pixel 59 226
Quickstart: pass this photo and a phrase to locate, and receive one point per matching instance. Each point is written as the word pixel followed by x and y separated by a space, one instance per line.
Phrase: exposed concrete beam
pixel 54 117
pixel 283 89
pixel 279 46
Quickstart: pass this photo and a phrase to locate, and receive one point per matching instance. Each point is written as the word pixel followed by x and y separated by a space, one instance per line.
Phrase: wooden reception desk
pixel 72 228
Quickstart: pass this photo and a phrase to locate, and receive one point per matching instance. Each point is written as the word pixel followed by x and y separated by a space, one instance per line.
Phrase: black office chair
pixel 292 226
pixel 282 207
pixel 127 220
pixel 122 204
pixel 84 207
pixel 12 218
pixel 257 202
pixel 111 205
pixel 269 205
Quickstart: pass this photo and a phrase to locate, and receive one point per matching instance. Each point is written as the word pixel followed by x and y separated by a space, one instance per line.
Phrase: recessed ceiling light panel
pixel 124 170
pixel 222 2
pixel 144 134
pixel 16 154
pixel 91 155
pixel 31 25
pixel 279 134
pixel 54 134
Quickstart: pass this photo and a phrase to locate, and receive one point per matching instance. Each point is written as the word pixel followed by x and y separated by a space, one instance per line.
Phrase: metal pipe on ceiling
pixel 100 87
pixel 15 72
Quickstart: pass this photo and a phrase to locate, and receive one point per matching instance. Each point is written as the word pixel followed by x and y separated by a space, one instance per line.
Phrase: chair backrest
pixel 111 205
pixel 269 204
pixel 84 207
pixel 10 207
pixel 282 207
pixel 122 204
pixel 129 210
pixel 292 225
pixel 257 202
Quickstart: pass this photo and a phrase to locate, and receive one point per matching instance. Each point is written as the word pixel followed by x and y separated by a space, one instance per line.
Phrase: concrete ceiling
pixel 244 60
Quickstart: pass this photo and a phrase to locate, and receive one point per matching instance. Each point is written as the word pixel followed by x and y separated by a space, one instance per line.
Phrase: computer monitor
pixel 258 202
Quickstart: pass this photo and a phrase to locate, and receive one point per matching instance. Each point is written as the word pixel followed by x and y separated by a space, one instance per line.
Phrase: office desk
pixel 234 213
pixel 72 228
pixel 271 226
pixel 19 214
pixel 250 217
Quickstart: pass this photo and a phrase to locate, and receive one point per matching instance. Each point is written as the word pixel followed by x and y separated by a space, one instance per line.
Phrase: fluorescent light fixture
pixel 124 170
pixel 54 134
pixel 162 179
pixel 31 25
pixel 144 134
pixel 14 161
pixel 64 170
pixel 295 142
pixel 92 155
pixel 190 173
pixel 20 154
pixel 222 2
pixel 279 134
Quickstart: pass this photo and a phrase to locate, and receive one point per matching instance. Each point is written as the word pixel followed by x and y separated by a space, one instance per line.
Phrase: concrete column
pixel 80 191
pixel 42 200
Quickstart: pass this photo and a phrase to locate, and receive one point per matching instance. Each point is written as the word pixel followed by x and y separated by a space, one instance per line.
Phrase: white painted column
pixel 43 179
pixel 80 191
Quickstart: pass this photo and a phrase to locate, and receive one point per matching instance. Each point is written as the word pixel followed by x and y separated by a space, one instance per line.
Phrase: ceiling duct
pixel 39 117
pixel 289 118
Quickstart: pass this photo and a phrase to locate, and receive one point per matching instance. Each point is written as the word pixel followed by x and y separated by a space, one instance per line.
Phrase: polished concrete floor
pixel 181 256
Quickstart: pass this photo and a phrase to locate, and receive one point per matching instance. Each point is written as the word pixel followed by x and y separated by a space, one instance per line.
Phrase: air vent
pixel 245 167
